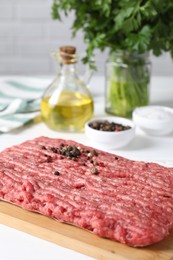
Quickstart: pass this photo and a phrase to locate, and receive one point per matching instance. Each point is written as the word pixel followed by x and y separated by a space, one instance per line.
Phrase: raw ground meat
pixel 111 196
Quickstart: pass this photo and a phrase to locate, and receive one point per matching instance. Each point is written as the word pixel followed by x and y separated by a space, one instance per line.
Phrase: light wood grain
pixel 78 239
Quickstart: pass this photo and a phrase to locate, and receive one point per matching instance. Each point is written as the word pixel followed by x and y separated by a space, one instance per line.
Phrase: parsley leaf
pixel 135 25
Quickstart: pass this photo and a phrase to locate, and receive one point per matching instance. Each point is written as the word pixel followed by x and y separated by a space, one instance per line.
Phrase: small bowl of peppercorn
pixel 111 132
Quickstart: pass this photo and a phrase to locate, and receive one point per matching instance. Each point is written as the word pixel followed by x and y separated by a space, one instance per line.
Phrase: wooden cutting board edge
pixel 75 238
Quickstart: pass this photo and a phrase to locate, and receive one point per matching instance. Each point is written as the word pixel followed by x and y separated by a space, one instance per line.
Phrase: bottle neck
pixel 68 68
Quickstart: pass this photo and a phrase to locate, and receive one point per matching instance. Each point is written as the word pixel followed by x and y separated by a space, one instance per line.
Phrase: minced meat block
pixel 111 196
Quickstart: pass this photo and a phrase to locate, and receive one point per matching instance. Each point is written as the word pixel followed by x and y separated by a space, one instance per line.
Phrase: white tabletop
pixel 16 245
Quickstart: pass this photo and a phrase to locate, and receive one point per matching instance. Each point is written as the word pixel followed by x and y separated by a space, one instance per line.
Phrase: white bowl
pixel 111 139
pixel 154 120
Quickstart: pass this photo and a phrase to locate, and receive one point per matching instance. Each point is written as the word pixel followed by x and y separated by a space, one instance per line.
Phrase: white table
pixel 16 245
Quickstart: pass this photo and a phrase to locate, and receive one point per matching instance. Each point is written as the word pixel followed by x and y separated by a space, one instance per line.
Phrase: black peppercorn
pixel 95 153
pixel 48 159
pixel 107 126
pixel 94 170
pixel 56 173
pixel 54 150
pixel 70 151
pixel 95 163
pixel 83 164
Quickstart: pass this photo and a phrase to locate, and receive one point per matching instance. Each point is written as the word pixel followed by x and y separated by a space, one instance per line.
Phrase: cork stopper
pixel 67 54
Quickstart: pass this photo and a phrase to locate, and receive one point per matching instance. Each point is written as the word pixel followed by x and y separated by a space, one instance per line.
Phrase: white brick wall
pixel 28 35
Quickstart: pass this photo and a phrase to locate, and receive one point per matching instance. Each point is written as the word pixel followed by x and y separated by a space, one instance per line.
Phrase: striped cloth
pixel 9 91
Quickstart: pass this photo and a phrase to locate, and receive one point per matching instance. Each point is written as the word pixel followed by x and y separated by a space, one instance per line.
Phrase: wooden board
pixel 78 239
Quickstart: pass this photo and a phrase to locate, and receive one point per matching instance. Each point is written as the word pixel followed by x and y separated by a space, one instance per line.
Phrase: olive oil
pixel 69 113
pixel 67 103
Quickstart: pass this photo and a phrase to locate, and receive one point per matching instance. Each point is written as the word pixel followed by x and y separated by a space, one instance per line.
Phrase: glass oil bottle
pixel 67 103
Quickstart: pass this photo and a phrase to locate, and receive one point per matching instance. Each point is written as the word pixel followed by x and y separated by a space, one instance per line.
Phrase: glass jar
pixel 127 82
pixel 67 103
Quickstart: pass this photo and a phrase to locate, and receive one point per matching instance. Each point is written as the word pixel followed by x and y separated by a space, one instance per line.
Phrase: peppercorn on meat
pixel 113 197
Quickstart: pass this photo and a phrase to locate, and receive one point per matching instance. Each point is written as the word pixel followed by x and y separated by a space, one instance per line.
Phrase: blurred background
pixel 28 35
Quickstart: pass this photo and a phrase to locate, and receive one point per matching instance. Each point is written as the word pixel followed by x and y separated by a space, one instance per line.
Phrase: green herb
pixel 128 84
pixel 132 26
pixel 135 25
